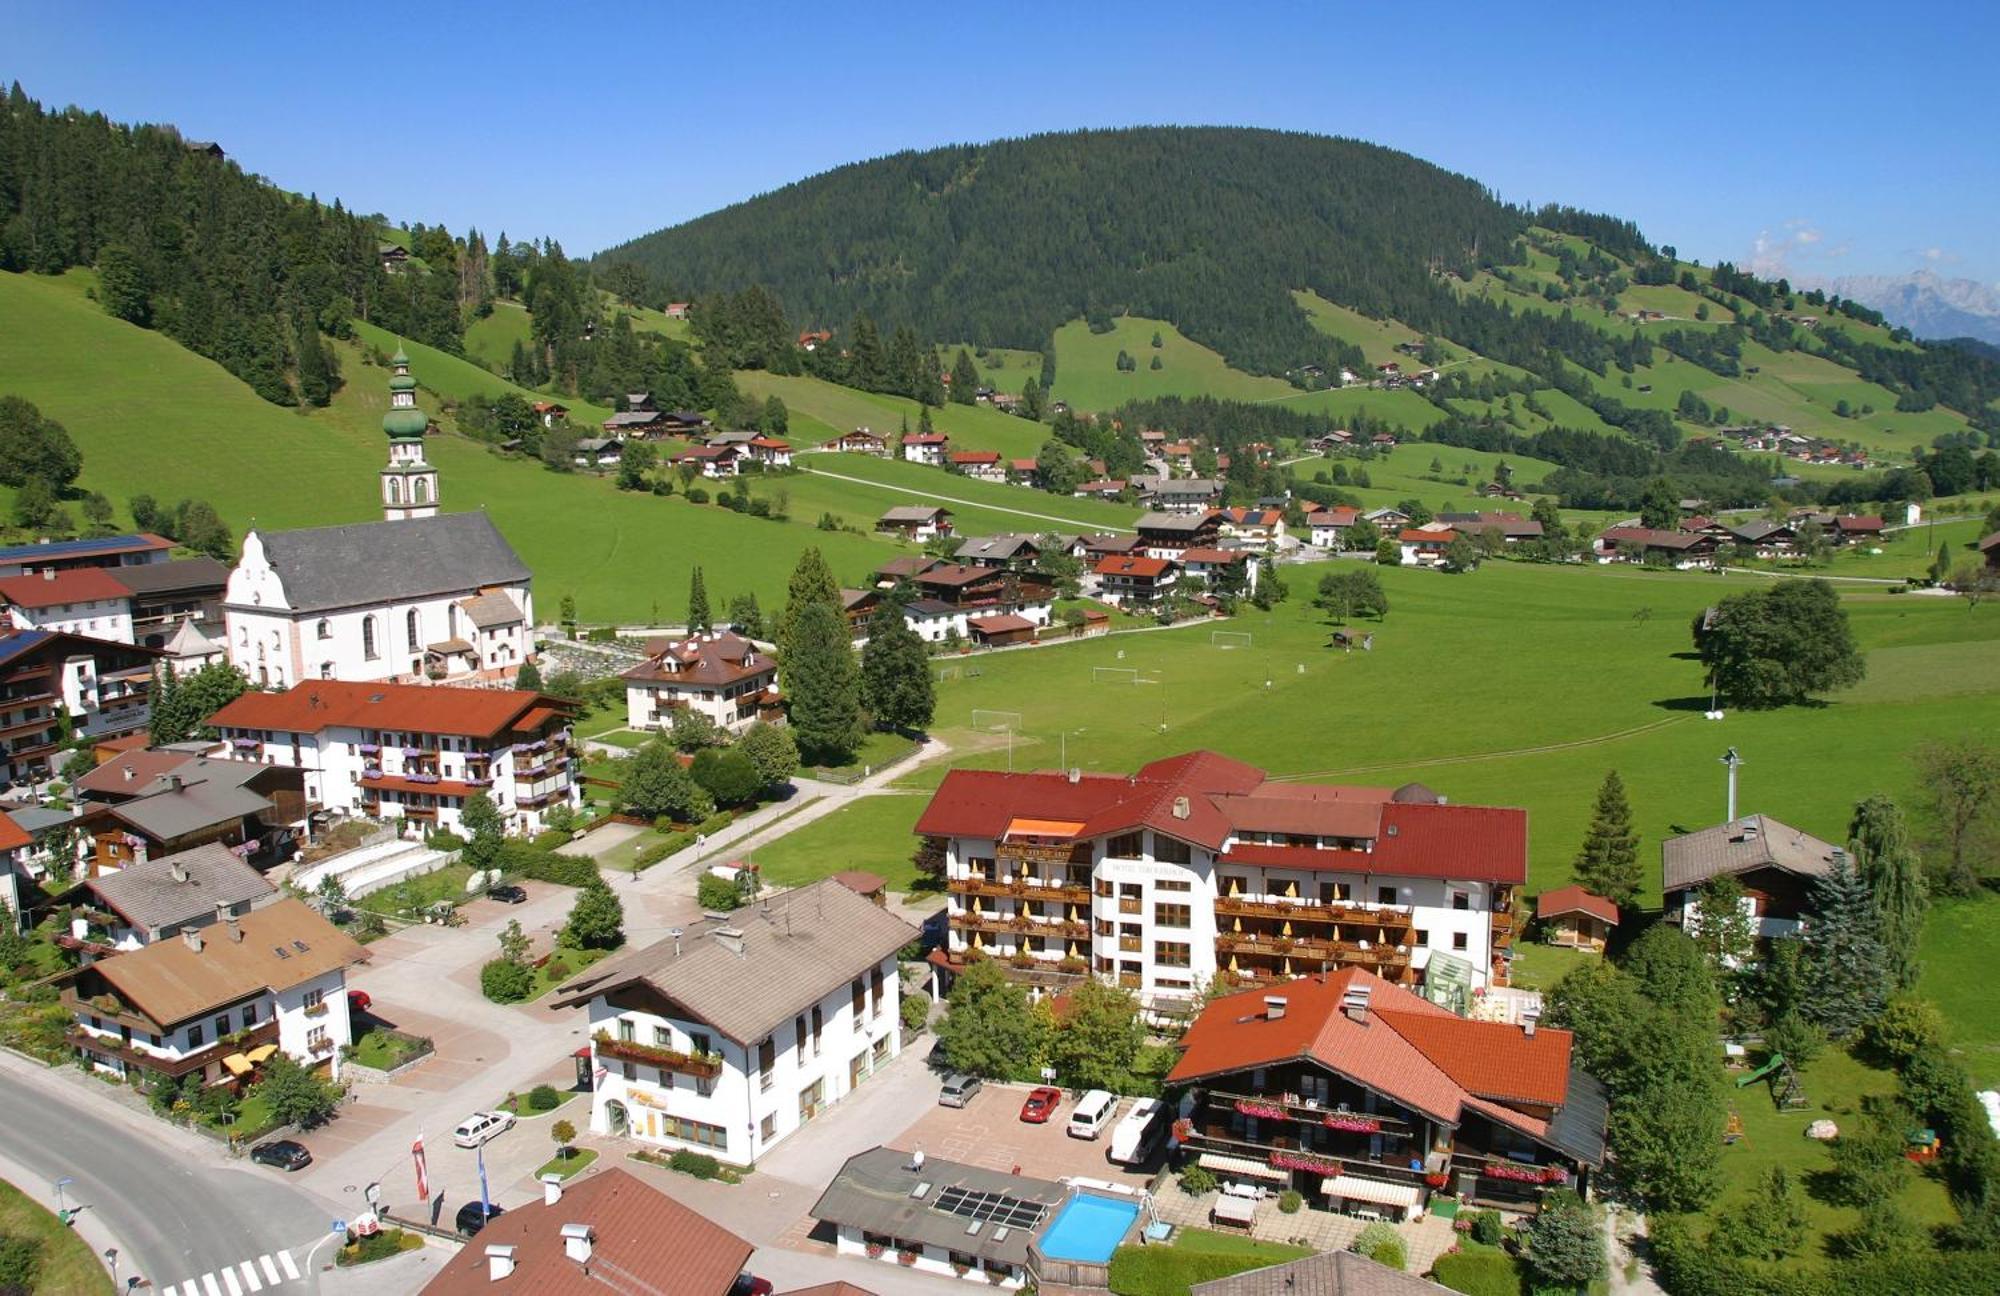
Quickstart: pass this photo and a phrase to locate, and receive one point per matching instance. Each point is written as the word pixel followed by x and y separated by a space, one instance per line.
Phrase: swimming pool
pixel 1088 1228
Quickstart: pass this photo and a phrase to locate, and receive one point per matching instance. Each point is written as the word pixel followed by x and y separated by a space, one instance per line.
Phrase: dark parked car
pixel 471 1219
pixel 282 1153
pixel 508 894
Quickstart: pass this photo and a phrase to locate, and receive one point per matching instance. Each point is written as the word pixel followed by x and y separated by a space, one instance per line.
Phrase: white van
pixel 1093 1112
pixel 1134 1138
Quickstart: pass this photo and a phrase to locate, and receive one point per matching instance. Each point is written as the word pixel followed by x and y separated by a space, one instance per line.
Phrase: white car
pixel 481 1127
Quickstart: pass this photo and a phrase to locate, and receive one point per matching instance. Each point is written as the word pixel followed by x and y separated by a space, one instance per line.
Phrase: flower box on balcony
pixel 666 1059
pixel 317 1010
pixel 906 1258
pixel 321 1045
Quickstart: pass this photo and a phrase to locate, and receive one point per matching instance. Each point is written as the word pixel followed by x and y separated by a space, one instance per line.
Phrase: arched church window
pixel 395 490
pixel 420 491
pixel 368 638
pixel 410 625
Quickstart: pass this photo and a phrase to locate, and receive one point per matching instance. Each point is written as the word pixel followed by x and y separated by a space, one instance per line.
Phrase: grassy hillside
pixel 979 506
pixel 152 417
pixel 838 410
pixel 1088 377
pixel 455 378
pixel 491 341
pixel 1376 338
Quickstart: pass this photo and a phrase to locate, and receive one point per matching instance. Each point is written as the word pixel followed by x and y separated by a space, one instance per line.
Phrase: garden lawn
pixel 878 746
pixel 1194 1256
pixel 1834 1085
pixel 563 1167
pixel 1539 967
pixel 68 1264
pixel 1480 1270
pixel 1957 955
pixel 872 833
pixel 447 883
pixel 571 962
pixel 1515 685
pixel 1088 377
pixel 382 1049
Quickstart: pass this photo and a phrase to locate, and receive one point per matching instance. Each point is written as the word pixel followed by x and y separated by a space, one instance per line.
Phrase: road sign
pixel 339 1226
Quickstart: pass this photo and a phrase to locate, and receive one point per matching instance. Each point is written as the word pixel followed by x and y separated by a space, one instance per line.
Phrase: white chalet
pixel 1199 866
pixel 408 751
pixel 88 601
pixel 721 675
pixel 732 1035
pixel 214 1002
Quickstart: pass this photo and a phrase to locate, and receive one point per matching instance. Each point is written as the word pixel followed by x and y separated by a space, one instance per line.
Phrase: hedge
pixel 1170 1271
pixel 547 866
pixel 1479 1273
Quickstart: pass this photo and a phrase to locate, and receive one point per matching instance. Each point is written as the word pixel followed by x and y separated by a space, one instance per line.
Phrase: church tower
pixel 409 485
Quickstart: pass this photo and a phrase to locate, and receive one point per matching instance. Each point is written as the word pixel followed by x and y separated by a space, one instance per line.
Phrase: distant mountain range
pixel 1927 304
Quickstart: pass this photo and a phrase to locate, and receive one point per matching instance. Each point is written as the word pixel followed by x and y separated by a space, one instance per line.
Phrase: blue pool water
pixel 1088 1228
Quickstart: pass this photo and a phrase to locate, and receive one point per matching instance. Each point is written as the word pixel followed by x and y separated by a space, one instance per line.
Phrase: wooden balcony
pixel 133 1055
pixel 1504 929
pixel 1307 1113
pixel 1036 890
pixel 666 1059
pixel 1343 953
pixel 1323 1163
pixel 1393 922
pixel 1022 924
pixel 1039 853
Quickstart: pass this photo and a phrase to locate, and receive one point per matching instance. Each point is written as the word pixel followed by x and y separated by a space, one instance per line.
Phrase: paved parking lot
pixel 989 1132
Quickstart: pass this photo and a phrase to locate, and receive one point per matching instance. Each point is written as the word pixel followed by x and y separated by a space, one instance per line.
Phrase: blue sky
pixel 1836 138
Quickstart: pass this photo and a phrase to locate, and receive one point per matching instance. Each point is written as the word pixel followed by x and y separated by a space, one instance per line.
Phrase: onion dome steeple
pixel 409 485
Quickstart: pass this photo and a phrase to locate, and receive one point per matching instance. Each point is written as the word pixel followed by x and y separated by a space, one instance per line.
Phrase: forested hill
pixel 1209 227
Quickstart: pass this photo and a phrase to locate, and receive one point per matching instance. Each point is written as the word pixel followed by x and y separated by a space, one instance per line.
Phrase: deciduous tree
pixel 1097 1039
pixel 484 829
pixel 1959 782
pixel 990 1030
pixel 1778 646
pixel 655 784
pixel 596 920
pixel 1352 592
pixel 772 751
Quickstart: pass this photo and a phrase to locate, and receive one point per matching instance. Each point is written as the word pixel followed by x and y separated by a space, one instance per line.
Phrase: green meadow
pixel 1088 377
pixel 835 410
pixel 1513 685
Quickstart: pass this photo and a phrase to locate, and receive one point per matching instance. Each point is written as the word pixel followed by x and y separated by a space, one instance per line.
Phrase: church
pixel 420 596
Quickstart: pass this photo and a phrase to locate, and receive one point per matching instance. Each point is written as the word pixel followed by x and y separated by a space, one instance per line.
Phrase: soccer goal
pixel 947 673
pixel 1229 638
pixel 1114 675
pixel 997 721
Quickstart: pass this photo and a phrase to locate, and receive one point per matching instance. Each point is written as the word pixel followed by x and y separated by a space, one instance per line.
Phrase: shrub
pixel 727 775
pixel 505 981
pixel 444 839
pixel 1383 1244
pixel 1908 1026
pixel 1289 1201
pixel 1479 1273
pixel 549 838
pixel 20 1264
pixel 915 1011
pixel 696 495
pixel 376 1246
pixel 555 970
pixel 544 1098
pixel 1488 1227
pixel 1196 1180
pixel 717 894
pixel 1798 1039
pixel 699 1164
pixel 523 860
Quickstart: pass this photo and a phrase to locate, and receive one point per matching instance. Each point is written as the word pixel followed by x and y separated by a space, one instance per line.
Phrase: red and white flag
pixel 423 1175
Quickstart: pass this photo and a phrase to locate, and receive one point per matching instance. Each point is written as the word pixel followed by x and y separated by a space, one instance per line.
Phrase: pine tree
pixel 812 581
pixel 529 677
pixel 821 685
pixel 1881 848
pixel 1846 966
pixel 698 615
pixel 1608 862
pixel 964 379
pixel 896 682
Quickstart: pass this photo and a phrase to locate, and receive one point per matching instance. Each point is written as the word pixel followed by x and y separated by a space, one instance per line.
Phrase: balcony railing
pixel 1037 890
pixel 112 1046
pixel 1345 953
pixel 1388 918
pixel 1033 853
pixel 702 1066
pixel 1228 1145
pixel 1025 924
pixel 1296 1108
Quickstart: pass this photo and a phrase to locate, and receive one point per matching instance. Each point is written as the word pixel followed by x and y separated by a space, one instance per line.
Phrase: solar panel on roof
pixel 1010 1212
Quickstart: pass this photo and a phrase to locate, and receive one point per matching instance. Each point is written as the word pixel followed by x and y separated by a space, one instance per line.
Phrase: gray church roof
pixel 382 562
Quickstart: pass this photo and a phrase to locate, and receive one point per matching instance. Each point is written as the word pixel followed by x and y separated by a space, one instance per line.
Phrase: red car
pixel 1041 1105
pixel 358 1002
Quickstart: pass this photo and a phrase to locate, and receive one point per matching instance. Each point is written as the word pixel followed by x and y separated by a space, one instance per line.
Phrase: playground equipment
pixel 1786 1090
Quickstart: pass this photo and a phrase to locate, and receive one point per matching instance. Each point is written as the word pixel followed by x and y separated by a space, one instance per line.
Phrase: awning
pixel 237 1064
pixel 1237 1210
pixel 1042 828
pixel 1354 1188
pixel 262 1053
pixel 1242 1166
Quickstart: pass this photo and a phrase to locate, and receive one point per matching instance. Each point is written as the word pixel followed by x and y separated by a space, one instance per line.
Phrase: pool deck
pixel 1322 1230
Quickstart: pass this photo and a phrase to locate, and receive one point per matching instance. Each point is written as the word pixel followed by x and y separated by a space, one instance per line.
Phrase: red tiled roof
pixel 1862 523
pixel 926 438
pixel 1004 624
pixel 1334 517
pixel 642 1241
pixel 132 770
pixel 1132 565
pixel 317 705
pixel 1213 555
pixel 410 786
pixel 12 835
pixel 1428 537
pixel 1022 465
pixel 1444 840
pixel 710 660
pixel 1405 1048
pixel 770 443
pixel 1109 486
pixel 975 456
pixel 1651 539
pixel 1574 899
pixel 71 585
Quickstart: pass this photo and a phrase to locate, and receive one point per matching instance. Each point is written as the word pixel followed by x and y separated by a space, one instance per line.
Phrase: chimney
pixel 499 1263
pixel 222 913
pixel 1529 1016
pixel 1181 807
pixel 48 573
pixel 193 938
pixel 130 774
pixel 235 929
pixel 1274 1007
pixel 1355 1003
pixel 551 1189
pixel 576 1242
pixel 173 782
pixel 179 874
pixel 730 938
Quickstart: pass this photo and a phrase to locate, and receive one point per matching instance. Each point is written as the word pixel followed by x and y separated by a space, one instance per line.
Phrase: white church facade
pixel 420 596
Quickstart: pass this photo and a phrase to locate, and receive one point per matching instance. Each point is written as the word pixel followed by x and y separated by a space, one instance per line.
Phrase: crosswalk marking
pixel 229 1281
pixel 250 1278
pixel 239 1278
pixel 270 1270
pixel 214 1287
pixel 291 1270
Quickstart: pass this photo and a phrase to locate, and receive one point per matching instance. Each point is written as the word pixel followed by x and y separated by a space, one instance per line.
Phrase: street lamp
pixel 62 1204
pixel 111 1258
